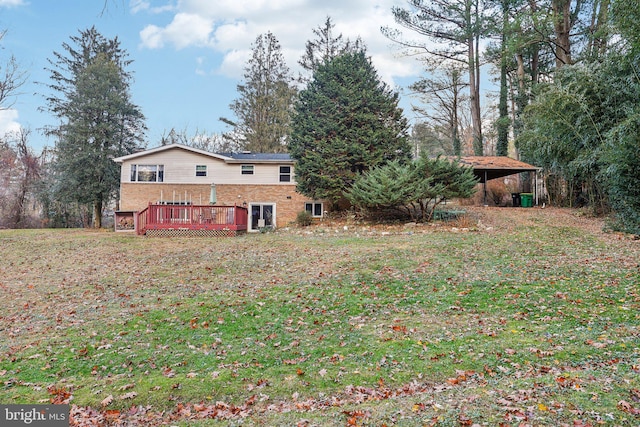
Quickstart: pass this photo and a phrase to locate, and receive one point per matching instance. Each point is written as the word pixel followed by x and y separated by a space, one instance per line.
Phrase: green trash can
pixel 526 200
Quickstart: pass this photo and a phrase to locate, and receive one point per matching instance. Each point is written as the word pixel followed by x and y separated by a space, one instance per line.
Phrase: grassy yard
pixel 529 317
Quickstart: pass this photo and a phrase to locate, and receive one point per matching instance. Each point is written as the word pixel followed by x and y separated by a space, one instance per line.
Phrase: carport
pixel 486 168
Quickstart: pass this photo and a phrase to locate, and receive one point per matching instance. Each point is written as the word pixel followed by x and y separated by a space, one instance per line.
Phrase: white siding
pixel 180 168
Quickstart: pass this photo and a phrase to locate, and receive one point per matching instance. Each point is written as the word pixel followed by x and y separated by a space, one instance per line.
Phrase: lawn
pixel 515 317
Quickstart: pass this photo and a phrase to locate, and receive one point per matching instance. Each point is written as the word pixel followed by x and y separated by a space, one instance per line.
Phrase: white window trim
pixel 250 229
pixel 289 174
pixel 247 169
pixel 135 169
pixel 313 210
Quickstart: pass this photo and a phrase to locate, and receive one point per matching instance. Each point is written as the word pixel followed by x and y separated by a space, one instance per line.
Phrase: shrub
pixel 415 189
pixel 304 219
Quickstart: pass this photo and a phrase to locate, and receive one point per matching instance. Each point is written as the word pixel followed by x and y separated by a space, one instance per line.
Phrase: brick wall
pixel 136 196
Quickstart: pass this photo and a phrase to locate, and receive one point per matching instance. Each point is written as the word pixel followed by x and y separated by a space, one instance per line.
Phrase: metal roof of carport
pixel 487 168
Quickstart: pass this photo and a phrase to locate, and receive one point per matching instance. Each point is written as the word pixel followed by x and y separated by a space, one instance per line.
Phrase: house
pixel 177 175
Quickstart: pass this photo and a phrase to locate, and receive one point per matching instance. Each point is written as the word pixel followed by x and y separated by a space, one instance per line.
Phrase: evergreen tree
pixel 97 120
pixel 345 122
pixel 325 47
pixel 415 189
pixel 263 109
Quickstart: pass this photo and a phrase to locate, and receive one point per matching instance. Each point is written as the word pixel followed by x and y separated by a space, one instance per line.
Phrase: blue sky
pixel 188 55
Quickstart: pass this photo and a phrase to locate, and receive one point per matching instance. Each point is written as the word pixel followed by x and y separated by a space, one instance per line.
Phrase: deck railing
pixel 191 217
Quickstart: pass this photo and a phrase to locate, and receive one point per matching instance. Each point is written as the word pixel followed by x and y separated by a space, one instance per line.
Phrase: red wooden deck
pixel 231 219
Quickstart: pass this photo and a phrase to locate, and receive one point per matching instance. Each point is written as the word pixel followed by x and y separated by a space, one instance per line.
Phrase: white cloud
pixel 8 121
pixel 139 5
pixel 185 30
pixel 200 70
pixel 229 27
pixel 12 3
pixel 144 5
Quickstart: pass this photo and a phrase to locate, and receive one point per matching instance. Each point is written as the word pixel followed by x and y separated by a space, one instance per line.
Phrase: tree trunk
pixel 97 214
pixel 474 98
pixel 502 146
pixel 455 135
pixel 598 30
pixel 562 27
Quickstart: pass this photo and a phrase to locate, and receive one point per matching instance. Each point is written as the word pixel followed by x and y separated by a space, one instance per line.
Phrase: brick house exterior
pixel 178 174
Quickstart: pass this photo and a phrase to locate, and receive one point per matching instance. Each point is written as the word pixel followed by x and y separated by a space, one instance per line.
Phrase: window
pixel 285 173
pixel 201 170
pixel 315 209
pixel 147 173
pixel 247 169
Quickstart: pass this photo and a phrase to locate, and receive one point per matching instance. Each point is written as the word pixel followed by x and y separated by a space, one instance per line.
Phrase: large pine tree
pixel 345 122
pixel 97 120
pixel 325 47
pixel 265 98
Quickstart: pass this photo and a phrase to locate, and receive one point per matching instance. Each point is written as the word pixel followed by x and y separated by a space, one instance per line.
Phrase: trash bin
pixel 515 198
pixel 526 200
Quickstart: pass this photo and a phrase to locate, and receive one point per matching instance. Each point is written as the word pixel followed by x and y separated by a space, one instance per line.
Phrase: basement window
pixel 315 209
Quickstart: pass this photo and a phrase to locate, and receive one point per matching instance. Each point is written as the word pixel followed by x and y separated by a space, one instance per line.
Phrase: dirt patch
pixel 477 218
pixel 509 218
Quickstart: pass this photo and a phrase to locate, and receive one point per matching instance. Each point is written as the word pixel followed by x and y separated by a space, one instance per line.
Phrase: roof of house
pixel 226 157
pixel 264 157
pixel 492 167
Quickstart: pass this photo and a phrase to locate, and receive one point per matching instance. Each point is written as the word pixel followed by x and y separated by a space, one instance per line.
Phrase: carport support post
pixel 484 187
pixel 535 185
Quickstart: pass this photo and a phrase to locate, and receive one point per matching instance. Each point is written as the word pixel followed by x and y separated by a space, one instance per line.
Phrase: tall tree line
pixel 97 121
pixel 266 94
pixel 268 91
pixel 19 165
pixel 528 41
pixel 568 89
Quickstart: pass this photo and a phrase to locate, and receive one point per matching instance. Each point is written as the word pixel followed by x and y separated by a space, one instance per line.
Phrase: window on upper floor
pixel 285 173
pixel 147 173
pixel 247 169
pixel 201 170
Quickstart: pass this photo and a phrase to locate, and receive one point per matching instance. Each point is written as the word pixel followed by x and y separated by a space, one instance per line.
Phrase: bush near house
pixel 413 190
pixel 304 219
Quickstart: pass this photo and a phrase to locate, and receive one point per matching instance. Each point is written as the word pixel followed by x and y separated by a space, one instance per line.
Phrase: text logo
pixel 34 415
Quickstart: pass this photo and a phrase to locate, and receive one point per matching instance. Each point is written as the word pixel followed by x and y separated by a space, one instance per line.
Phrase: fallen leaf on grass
pixel 464 420
pixel 129 395
pixel 625 406
pixel 107 401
